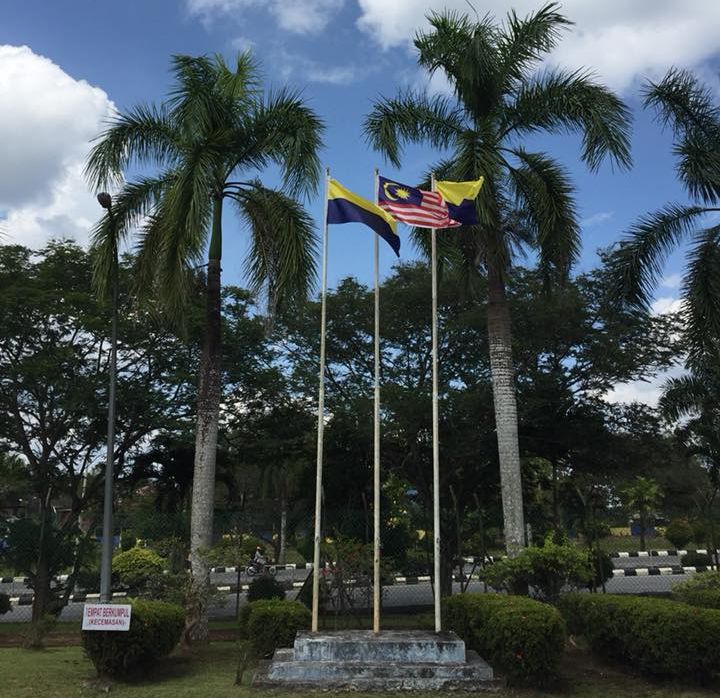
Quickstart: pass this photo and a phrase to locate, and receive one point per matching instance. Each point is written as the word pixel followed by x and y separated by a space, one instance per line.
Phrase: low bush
pixel 703 589
pixel 679 532
pixel 693 559
pixel 271 623
pixel 658 636
pixel 521 637
pixel 547 570
pixel 155 629
pixel 5 604
pixel 265 588
pixel 135 566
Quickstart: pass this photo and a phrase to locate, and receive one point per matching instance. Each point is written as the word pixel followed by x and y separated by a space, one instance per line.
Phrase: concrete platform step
pixel 386 646
pixel 387 661
pixel 472 675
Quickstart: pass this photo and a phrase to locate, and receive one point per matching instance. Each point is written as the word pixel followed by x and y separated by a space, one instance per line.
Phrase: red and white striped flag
pixel 413 206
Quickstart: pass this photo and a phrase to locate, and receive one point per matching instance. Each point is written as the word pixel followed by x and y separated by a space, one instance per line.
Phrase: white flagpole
pixel 321 419
pixel 435 426
pixel 376 474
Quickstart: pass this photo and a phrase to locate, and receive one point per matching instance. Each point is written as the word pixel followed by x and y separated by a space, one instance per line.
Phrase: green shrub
pixel 693 559
pixel 703 589
pixel 271 623
pixel 658 636
pixel 265 588
pixel 233 550
pixel 547 570
pixel 706 598
pixel 5 605
pixel 522 637
pixel 155 628
pixel 700 582
pixel 679 532
pixel 134 567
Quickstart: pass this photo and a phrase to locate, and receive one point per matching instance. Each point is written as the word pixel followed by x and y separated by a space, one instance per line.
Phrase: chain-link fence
pixel 346 573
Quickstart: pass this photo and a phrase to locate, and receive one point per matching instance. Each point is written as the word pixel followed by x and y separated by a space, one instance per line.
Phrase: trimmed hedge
pixel 265 588
pixel 693 559
pixel 135 566
pixel 659 636
pixel 523 638
pixel 271 623
pixel 155 629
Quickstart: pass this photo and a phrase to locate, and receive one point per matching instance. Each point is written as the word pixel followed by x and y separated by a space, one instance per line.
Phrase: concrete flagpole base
pixel 385 661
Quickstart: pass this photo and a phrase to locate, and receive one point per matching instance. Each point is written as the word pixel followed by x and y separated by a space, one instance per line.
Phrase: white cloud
pixel 666 304
pixel 300 68
pixel 649 391
pixel 298 16
pixel 597 218
pixel 619 40
pixel 47 119
pixel 671 281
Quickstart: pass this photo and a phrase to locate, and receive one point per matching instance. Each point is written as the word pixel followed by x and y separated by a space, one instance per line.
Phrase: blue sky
pixel 64 65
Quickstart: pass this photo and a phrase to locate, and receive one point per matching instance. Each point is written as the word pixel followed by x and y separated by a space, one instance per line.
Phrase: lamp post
pixel 105 200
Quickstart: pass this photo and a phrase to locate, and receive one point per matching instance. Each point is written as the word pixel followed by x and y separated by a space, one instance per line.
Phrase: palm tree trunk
pixel 503 380
pixel 283 529
pixel 208 413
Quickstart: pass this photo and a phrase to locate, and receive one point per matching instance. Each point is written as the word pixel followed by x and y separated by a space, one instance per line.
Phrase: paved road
pixel 393 596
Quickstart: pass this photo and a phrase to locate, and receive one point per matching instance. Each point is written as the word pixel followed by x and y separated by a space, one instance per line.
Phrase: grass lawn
pixel 63 672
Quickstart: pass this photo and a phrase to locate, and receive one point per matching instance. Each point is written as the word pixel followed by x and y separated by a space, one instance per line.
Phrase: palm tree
pixel 208 140
pixel 642 495
pixel 683 104
pixel 527 198
pixel 694 401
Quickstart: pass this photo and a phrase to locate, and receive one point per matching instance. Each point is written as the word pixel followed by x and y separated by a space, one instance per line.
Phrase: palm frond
pixel 524 42
pixel 702 293
pixel 684 105
pixel 281 262
pixel 467 53
pixel 129 208
pixel 143 135
pixel 284 129
pixel 241 85
pixel 574 103
pixel 412 118
pixel 682 397
pixel 543 190
pixel 637 263
pixel 195 104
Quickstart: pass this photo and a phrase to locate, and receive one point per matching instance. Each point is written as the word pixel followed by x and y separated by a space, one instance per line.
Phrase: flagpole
pixel 376 473
pixel 435 425
pixel 321 418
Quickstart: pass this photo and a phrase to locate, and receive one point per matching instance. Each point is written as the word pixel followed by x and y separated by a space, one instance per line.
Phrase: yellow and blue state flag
pixel 460 198
pixel 346 207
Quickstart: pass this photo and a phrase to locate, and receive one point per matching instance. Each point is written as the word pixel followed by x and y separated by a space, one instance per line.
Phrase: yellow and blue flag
pixel 460 199
pixel 346 207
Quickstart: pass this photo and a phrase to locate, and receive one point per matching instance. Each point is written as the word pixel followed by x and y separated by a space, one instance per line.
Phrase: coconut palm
pixel 208 141
pixel 641 496
pixel 683 104
pixel 527 199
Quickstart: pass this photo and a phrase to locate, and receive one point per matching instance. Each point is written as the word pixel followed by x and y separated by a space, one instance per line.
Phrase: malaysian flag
pixel 425 209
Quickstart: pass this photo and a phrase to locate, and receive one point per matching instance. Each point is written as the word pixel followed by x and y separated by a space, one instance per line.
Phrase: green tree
pixel 213 134
pixel 641 496
pixel 499 97
pixel 53 396
pixel 689 109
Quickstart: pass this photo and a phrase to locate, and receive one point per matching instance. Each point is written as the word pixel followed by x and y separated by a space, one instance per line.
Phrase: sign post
pixel 106 616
